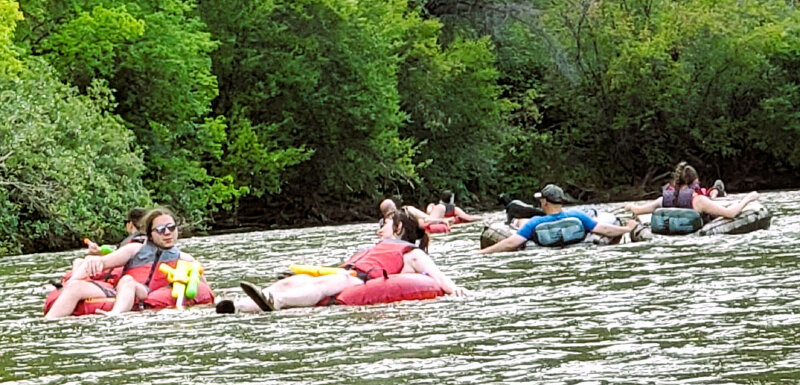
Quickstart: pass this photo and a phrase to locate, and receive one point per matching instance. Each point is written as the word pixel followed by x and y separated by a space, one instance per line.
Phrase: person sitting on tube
pixel 551 198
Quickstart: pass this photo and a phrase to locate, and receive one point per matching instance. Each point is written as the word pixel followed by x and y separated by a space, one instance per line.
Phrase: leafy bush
pixel 67 166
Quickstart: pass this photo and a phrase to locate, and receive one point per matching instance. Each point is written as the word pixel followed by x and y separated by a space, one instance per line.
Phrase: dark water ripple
pixel 676 310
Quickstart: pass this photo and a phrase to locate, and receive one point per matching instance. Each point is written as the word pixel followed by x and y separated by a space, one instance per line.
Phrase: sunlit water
pixel 675 310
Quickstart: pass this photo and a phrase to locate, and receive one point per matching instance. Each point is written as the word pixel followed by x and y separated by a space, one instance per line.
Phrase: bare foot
pixel 109 313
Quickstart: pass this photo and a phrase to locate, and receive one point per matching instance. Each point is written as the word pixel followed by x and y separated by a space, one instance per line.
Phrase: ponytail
pixel 683 175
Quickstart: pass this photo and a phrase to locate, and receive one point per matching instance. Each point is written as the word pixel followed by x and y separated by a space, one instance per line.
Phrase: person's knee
pixel 80 290
pixel 126 283
pixel 126 280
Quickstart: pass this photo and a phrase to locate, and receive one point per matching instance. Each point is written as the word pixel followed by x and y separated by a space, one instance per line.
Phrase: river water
pixel 676 310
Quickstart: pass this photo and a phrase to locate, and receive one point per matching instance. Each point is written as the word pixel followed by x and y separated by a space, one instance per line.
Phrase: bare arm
pixel 422 263
pixel 509 244
pixel 94 264
pixel 186 257
pixel 705 205
pixel 614 230
pixel 646 208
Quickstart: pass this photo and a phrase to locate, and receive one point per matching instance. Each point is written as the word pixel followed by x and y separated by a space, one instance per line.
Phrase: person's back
pixel 688 197
pixel 446 209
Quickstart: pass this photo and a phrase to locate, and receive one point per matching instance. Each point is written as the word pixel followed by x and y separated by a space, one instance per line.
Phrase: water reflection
pixel 677 310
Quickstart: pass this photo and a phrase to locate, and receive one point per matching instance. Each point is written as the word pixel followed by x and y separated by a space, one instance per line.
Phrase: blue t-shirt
pixel 527 230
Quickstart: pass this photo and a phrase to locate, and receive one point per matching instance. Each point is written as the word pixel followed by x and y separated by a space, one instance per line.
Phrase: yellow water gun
pixel 185 279
pixel 316 270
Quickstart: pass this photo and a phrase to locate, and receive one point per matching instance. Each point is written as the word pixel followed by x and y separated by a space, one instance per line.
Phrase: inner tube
pixel 753 217
pixel 158 299
pixel 437 228
pixel 519 209
pixel 675 221
pixel 86 306
pixel 395 287
pixel 496 232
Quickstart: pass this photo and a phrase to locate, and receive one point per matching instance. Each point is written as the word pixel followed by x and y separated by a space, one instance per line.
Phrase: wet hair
pixel 411 230
pixel 135 216
pixel 447 197
pixel 684 175
pixel 151 215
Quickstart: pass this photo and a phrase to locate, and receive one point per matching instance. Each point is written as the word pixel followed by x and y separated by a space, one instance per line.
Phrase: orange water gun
pixel 105 249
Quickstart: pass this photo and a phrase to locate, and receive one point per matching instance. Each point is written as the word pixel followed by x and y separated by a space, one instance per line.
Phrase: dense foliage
pixel 278 112
pixel 67 169
pixel 613 93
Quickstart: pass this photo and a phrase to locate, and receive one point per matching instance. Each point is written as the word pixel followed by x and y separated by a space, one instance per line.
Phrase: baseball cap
pixel 552 194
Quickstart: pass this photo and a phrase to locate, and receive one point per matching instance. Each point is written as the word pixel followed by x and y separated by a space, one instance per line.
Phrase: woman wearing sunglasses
pixel 142 282
pixel 396 253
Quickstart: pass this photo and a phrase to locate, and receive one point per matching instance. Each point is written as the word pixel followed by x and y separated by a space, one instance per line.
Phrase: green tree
pixel 67 168
pixel 155 55
pixel 318 79
pixel 9 15
pixel 455 110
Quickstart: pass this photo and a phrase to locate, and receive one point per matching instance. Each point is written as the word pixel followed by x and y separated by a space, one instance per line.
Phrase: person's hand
pixel 93 266
pixel 631 224
pixel 459 291
pixel 629 207
pixel 753 195
pixel 93 249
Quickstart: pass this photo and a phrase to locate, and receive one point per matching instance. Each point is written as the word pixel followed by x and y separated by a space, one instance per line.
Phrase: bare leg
pixel 127 291
pixel 304 290
pixel 466 217
pixel 73 293
pixel 247 305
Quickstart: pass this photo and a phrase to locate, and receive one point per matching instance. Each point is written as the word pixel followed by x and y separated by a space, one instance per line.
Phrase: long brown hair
pixel 683 175
pixel 411 230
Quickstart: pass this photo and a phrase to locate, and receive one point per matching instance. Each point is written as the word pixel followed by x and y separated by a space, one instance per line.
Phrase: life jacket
pixel 144 265
pixel 136 237
pixel 562 232
pixel 683 198
pixel 380 260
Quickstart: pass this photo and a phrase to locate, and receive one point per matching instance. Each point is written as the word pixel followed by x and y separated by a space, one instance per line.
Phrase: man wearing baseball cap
pixel 551 198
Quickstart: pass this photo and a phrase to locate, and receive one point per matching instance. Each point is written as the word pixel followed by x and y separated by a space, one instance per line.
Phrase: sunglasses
pixel 163 228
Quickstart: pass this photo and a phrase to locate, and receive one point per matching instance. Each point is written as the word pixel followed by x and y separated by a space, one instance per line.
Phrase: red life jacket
pixel 380 260
pixel 143 266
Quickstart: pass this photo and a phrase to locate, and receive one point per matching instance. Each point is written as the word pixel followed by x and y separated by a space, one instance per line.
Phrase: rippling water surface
pixel 675 310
